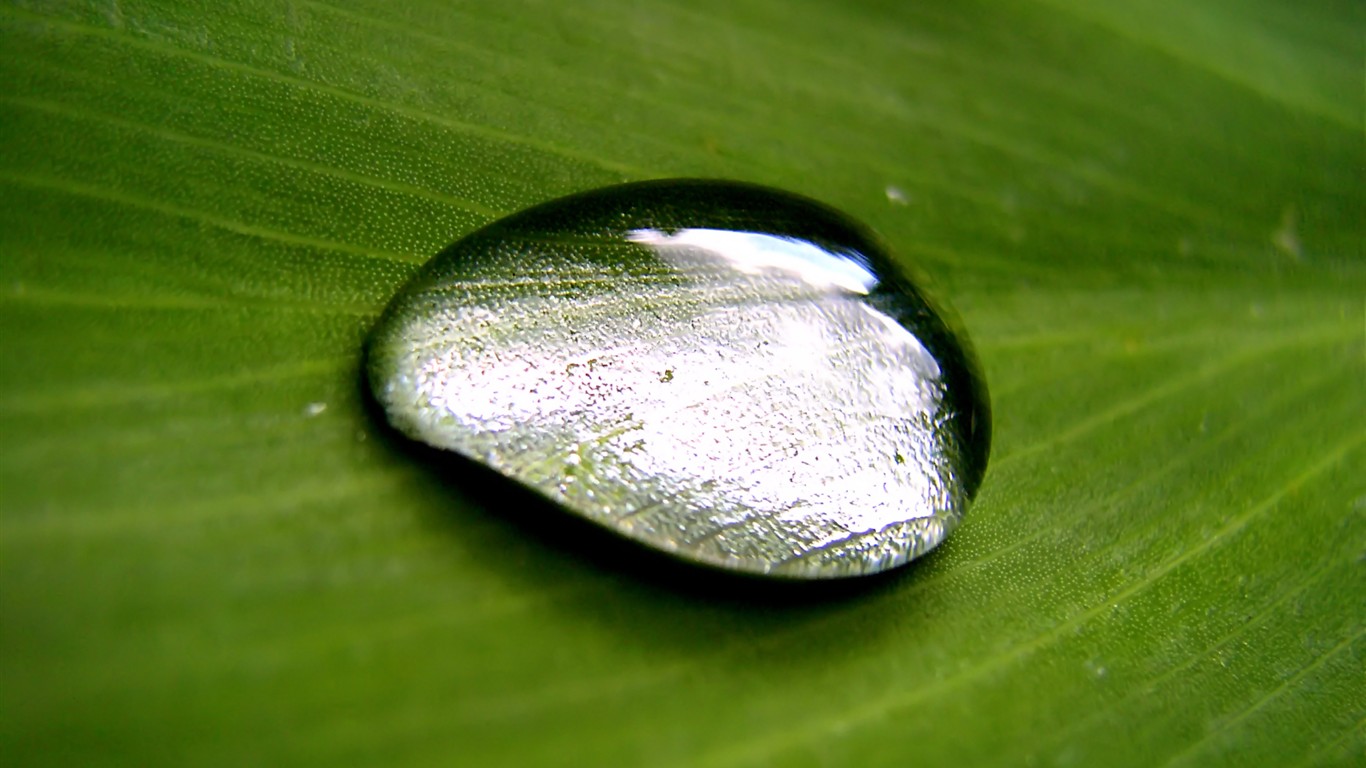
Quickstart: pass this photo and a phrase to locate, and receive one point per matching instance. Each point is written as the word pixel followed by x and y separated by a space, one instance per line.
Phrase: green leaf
pixel 1147 214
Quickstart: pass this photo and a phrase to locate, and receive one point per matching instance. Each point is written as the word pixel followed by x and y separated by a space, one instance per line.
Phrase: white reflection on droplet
pixel 755 252
pixel 793 416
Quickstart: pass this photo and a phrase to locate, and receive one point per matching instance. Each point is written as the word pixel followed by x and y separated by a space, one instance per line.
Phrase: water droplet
pixel 728 373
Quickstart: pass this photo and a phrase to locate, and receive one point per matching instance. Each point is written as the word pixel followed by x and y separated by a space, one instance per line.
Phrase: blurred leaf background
pixel 1148 214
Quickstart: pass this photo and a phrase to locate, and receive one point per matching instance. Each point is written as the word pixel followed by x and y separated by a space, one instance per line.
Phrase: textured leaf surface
pixel 1148 215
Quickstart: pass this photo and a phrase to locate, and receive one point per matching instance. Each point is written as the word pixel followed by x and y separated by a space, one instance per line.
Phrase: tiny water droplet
pixel 729 373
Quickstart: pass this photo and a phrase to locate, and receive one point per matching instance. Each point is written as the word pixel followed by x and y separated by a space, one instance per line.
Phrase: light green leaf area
pixel 1149 217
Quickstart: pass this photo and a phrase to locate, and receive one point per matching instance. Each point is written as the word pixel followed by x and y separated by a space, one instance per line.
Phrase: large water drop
pixel 729 373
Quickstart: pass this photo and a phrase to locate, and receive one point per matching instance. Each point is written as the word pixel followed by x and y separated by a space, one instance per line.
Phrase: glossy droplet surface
pixel 725 372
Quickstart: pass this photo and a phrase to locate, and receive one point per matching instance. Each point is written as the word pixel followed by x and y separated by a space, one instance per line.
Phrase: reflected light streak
pixel 755 253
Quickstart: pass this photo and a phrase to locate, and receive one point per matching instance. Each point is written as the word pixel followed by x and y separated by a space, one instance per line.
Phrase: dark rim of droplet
pixel 611 212
pixel 670 205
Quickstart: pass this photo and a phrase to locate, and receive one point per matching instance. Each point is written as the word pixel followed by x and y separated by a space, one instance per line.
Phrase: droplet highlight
pixel 732 374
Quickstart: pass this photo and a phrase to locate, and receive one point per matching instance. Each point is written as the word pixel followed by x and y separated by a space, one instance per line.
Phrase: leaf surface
pixel 1147 215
